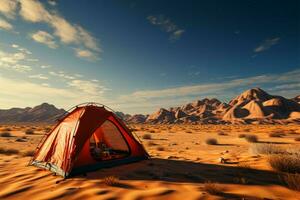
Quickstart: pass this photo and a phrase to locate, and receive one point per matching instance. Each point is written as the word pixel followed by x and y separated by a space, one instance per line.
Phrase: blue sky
pixel 137 56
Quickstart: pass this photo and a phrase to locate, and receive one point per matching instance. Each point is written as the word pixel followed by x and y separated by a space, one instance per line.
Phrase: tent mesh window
pixel 107 143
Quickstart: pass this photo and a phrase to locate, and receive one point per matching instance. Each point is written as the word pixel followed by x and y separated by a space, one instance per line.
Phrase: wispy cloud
pixel 5 25
pixel 45 66
pixel 62 75
pixel 21 49
pixel 166 25
pixel 34 11
pixel 88 87
pixel 177 34
pixel 44 38
pixel 35 87
pixel 288 80
pixel 68 33
pixel 18 67
pixel 11 58
pixel 267 44
pixel 39 76
pixel 21 93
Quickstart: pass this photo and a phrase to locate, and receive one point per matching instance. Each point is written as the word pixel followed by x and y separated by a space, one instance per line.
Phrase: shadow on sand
pixel 180 171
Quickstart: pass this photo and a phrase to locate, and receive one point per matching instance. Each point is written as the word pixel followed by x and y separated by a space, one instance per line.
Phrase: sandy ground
pixel 181 167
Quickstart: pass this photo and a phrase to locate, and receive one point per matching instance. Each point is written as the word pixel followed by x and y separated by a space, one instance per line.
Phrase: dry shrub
pixel 251 138
pixel 213 188
pixel 297 139
pixel 8 151
pixel 5 134
pixel 276 134
pixel 29 132
pixel 7 129
pixel 242 135
pixel 211 141
pixel 160 148
pixel 47 129
pixel 285 163
pixel 111 181
pixel 147 136
pixel 266 149
pixel 292 181
pixel 29 153
pixel 133 129
pixel 152 131
pixel 150 143
pixel 295 150
pixel 222 133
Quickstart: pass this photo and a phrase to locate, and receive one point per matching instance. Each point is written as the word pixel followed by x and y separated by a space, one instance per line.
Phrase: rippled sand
pixel 180 168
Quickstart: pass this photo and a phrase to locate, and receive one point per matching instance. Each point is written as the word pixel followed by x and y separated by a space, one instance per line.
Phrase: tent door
pixel 108 143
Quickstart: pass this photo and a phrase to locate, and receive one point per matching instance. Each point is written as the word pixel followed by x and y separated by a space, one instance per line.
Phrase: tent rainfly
pixel 88 138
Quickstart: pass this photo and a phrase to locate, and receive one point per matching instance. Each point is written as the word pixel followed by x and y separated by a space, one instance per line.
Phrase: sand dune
pixel 179 168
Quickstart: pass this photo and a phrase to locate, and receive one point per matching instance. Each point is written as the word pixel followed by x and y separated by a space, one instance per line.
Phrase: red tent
pixel 87 138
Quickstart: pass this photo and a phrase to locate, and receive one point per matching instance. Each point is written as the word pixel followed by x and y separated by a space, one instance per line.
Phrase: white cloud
pixel 39 76
pixel 267 44
pixel 8 8
pixel 86 54
pixel 166 25
pixel 15 46
pixel 34 11
pixel 5 25
pixel 44 38
pixel 64 30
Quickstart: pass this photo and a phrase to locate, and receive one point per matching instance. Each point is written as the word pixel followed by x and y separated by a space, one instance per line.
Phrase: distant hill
pixel 44 113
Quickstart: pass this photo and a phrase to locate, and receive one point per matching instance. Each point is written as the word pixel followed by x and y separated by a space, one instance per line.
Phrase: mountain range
pixel 254 106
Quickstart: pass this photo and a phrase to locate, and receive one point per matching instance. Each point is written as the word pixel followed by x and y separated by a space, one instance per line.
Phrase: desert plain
pixel 187 162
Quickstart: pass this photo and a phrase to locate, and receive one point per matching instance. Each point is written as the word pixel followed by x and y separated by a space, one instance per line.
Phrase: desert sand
pixel 182 166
